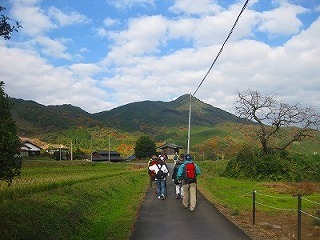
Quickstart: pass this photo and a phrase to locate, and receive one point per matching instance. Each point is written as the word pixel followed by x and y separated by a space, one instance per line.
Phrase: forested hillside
pixel 34 119
pixel 214 133
pixel 148 116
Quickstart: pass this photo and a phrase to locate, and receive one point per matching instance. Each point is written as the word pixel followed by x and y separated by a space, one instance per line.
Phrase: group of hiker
pixel 184 176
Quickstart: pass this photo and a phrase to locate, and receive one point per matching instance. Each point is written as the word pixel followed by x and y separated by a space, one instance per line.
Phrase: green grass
pixel 72 200
pixel 201 134
pixel 236 194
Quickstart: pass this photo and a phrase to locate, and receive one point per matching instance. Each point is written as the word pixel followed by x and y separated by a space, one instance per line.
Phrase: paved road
pixel 167 219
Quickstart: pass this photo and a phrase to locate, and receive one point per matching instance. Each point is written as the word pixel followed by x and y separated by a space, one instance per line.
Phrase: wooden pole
pixel 253 207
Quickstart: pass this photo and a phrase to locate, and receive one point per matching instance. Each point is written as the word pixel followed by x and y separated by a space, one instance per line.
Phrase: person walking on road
pixel 162 172
pixel 152 173
pixel 178 184
pixel 188 172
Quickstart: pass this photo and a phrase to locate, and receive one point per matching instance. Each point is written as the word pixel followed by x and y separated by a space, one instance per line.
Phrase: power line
pixel 221 49
pixel 214 61
pixel 219 53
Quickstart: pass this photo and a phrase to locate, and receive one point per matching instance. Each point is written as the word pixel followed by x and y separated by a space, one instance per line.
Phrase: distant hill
pixel 145 116
pixel 141 116
pixel 32 117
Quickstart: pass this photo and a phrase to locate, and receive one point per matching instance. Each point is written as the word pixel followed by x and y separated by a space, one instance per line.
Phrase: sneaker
pixel 163 197
pixel 159 197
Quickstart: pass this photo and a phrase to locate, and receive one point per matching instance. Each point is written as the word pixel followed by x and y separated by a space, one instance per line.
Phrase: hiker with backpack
pixel 187 173
pixel 152 173
pixel 162 172
pixel 178 184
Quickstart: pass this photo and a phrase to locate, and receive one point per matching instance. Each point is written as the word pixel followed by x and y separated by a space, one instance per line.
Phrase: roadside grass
pixel 274 198
pixel 72 200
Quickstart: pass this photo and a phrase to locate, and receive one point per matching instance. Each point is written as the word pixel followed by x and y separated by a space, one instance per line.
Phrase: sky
pixel 102 54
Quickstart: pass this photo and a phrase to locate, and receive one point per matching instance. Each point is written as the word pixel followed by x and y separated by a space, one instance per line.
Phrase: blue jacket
pixel 180 174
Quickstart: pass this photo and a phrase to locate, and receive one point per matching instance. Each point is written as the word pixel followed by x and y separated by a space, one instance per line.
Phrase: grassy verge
pixel 237 194
pixel 72 200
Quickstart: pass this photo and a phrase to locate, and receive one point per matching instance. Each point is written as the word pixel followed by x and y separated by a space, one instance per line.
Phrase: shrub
pixel 250 163
pixel 244 164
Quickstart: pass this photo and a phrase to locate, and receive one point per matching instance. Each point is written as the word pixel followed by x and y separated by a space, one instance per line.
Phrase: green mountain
pixel 33 118
pixel 146 116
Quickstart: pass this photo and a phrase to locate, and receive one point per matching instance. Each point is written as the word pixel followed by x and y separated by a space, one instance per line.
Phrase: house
pixel 60 153
pixel 104 156
pixel 27 148
pixel 170 149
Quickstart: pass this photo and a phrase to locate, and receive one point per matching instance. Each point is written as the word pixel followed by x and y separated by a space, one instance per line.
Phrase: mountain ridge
pixel 143 116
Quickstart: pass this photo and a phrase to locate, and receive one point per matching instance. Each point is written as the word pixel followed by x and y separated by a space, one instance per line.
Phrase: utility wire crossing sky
pixel 102 54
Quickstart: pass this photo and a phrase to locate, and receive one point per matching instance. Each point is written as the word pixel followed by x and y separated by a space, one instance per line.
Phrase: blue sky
pixel 101 54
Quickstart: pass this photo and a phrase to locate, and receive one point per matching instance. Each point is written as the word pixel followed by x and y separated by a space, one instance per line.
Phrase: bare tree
pixel 273 115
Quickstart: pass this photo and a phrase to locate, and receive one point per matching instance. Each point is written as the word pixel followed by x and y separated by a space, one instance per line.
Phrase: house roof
pixel 170 145
pixel 30 146
pixel 102 152
pixel 104 156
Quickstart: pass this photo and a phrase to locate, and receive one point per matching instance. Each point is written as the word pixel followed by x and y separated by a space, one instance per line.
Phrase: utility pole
pixel 109 145
pixel 71 156
pixel 188 149
pixel 91 146
pixel 60 153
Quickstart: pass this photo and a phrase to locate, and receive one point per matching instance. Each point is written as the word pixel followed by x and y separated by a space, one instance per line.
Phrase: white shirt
pixel 157 167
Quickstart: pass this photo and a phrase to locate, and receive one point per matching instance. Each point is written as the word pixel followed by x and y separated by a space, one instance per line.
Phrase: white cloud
pixel 31 17
pixel 53 48
pixel 85 69
pixel 290 71
pixel 33 78
pixel 283 20
pixel 122 4
pixel 199 8
pixel 144 35
pixel 102 32
pixel 65 19
pixel 108 22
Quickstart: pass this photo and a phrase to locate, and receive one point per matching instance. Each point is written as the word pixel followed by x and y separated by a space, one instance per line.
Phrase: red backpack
pixel 190 172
